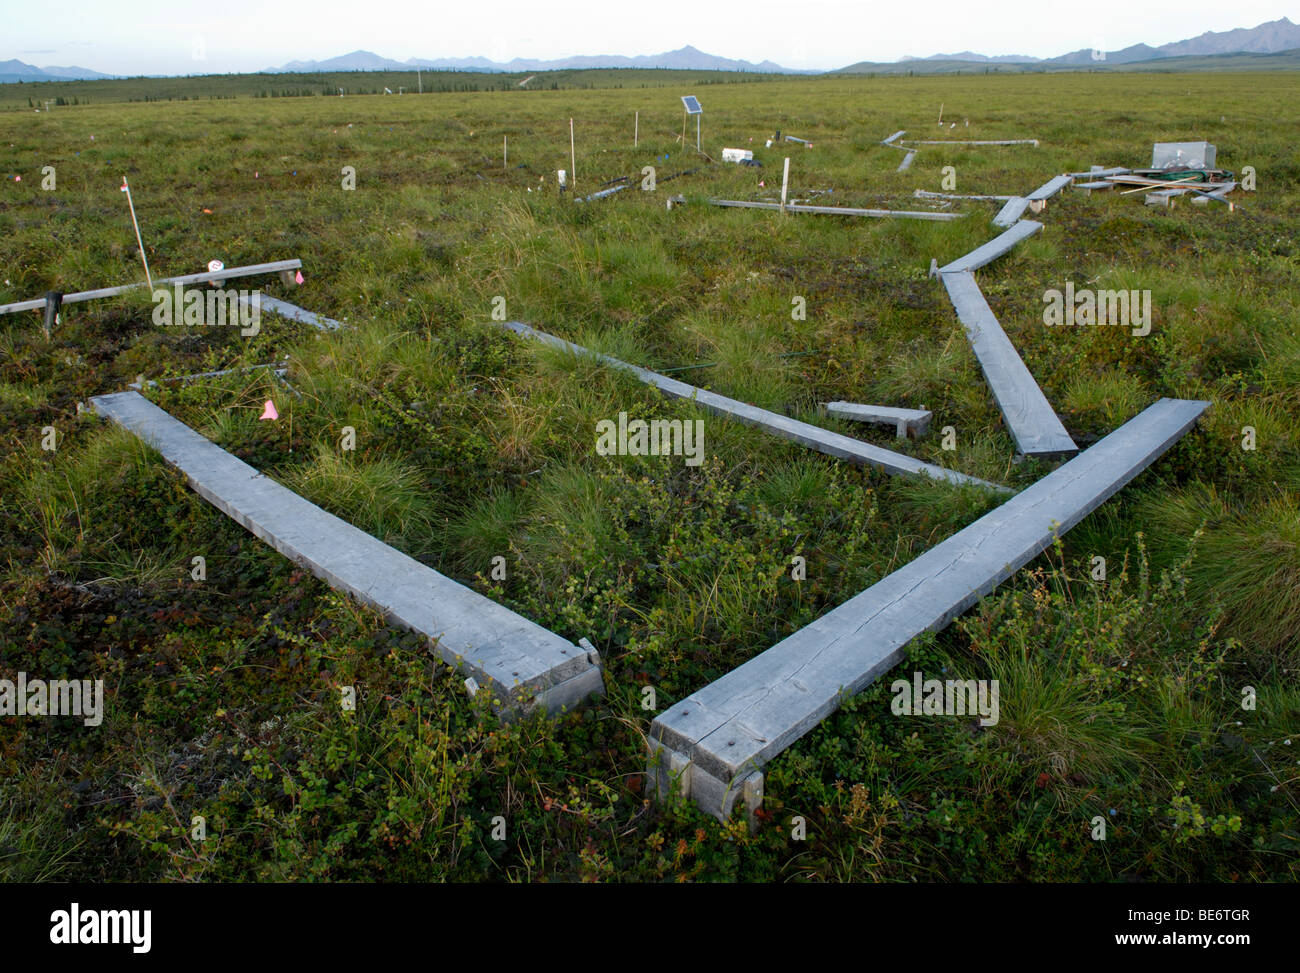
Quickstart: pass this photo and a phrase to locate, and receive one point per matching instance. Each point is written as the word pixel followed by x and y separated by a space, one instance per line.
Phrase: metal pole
pixel 697 131
pixel 573 158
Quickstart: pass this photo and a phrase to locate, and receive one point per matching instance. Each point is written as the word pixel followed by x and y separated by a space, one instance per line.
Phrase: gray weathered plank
pixel 721 736
pixel 1220 194
pixel 927 194
pixel 602 194
pixel 907 161
pixel 293 312
pixel 972 141
pixel 1028 415
pixel 1097 172
pixel 840 210
pixel 814 437
pixel 1012 211
pixel 521 661
pixel 1050 188
pixel 988 252
pixel 904 421
pixel 206 276
pixel 893 138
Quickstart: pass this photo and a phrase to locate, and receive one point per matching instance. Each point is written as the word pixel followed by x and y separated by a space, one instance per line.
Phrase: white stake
pixel 785 182
pixel 505 152
pixel 573 158
pixel 126 188
pixel 636 130
pixel 941 113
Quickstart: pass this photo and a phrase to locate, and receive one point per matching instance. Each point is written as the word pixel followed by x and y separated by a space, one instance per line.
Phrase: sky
pixel 130 37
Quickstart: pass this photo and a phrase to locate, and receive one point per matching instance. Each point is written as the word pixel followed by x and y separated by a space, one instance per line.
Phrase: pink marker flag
pixel 297 278
pixel 268 411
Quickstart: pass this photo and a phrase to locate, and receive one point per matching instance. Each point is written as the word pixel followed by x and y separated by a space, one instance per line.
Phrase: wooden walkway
pixel 901 214
pixel 525 665
pixel 211 275
pixel 814 437
pixel 1029 417
pixel 1022 230
pixel 293 312
pixel 713 745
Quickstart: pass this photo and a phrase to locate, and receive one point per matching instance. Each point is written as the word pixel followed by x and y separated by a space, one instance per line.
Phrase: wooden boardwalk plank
pixel 814 437
pixel 1049 189
pixel 904 421
pixel 721 736
pixel 971 141
pixel 602 194
pixel 840 210
pixel 1021 230
pixel 893 138
pixel 295 313
pixel 907 161
pixel 927 194
pixel 1029 418
pixel 519 660
pixel 210 275
pixel 1012 211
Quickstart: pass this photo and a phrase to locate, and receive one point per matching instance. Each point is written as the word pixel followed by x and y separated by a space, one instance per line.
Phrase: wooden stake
pixel 636 130
pixel 573 158
pixel 505 152
pixel 785 182
pixel 134 222
pixel 941 113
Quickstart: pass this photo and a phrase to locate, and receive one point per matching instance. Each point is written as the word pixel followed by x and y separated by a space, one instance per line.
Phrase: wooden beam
pixel 901 214
pixel 988 252
pixel 214 275
pixel 907 161
pixel 814 437
pixel 1039 197
pixel 1030 419
pixel 906 422
pixel 893 138
pixel 293 312
pixel 1012 211
pixel 926 194
pixel 971 141
pixel 526 665
pixel 712 746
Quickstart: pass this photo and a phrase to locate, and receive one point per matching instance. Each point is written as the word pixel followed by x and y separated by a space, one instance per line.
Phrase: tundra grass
pixel 1156 694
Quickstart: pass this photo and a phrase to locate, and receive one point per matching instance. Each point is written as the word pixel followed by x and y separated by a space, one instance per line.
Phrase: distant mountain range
pixel 1272 37
pixel 684 59
pixel 18 71
pixel 1258 48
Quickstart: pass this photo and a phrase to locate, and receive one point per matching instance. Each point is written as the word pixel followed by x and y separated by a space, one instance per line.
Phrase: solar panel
pixel 692 105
